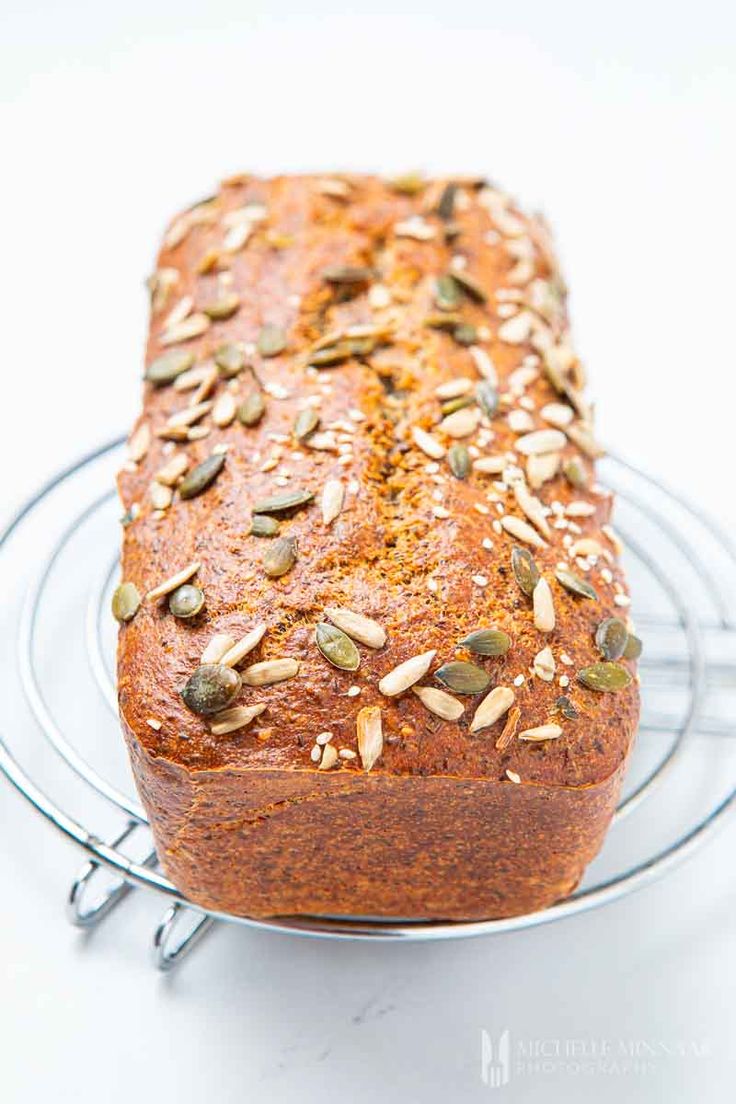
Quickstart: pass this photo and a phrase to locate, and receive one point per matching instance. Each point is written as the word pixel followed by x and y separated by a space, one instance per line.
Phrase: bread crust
pixel 247 822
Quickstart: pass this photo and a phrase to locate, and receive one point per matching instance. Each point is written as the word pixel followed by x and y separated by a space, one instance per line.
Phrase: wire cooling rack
pixel 59 556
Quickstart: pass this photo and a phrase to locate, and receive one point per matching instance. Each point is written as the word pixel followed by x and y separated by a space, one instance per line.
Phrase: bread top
pixel 424 553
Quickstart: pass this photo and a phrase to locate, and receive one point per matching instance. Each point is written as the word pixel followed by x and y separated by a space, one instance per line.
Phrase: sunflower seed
pixel 370 735
pixel 633 647
pixel 493 706
pixel 540 469
pixel 566 708
pixel 484 365
pixel 490 465
pixel 347 274
pixel 462 423
pixel 223 412
pixel 126 602
pixel 251 409
pixel 574 472
pixel 540 441
pixel 406 674
pixel 438 702
pixel 280 557
pixel 454 388
pixel 193 326
pixel 558 415
pixel 230 360
pixel 605 677
pixel 161 496
pixel 356 625
pixel 462 677
pixel 211 689
pixel 271 340
pixel 200 478
pixel 333 496
pixel 458 458
pixel 525 570
pixel 165 368
pixel 279 503
pixel 270 671
pixel 541 732
pixel 139 442
pixel 544 665
pixel 447 293
pixel 230 720
pixel 337 647
pixel 522 531
pixel 306 422
pixel 429 445
pixel 186 601
pixel 175 581
pixel 223 308
pixel 586 546
pixel 533 508
pixel 217 647
pixel 172 471
pixel 582 436
pixel 544 607
pixel 188 415
pixel 490 642
pixel 416 228
pixel 516 330
pixel 575 584
pixel 487 397
pixel 329 757
pixel 261 525
pixel 240 649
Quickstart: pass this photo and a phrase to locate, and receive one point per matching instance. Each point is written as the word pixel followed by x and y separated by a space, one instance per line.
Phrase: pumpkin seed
pixel 408 184
pixel 438 702
pixel 469 285
pixel 271 340
pixel 465 333
pixel 251 409
pixel 463 677
pixel 447 295
pixel 279 503
pixel 223 308
pixel 280 557
pixel 230 360
pixel 493 706
pixel 605 677
pixel 443 321
pixel 336 647
pixel 633 647
pixel 165 368
pixel 574 471
pixel 270 671
pixel 211 688
pixel 458 403
pixel 360 628
pixel 487 397
pixel 566 708
pixel 490 642
pixel 306 422
pixel 186 601
pixel 611 638
pixel 446 205
pixel 261 525
pixel 370 735
pixel 126 602
pixel 406 674
pixel 575 584
pixel 200 478
pixel 458 458
pixel 347 274
pixel 525 569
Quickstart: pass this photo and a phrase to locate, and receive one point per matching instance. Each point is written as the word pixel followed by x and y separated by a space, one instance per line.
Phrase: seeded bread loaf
pixel 375 656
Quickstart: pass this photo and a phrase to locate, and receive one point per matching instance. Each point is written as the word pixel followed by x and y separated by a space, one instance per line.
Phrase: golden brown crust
pixel 416 549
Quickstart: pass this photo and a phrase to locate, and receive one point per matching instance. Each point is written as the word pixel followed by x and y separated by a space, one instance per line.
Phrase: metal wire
pixel 184 923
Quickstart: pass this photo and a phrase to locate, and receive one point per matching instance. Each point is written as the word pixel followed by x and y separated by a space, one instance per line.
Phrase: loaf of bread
pixel 375 650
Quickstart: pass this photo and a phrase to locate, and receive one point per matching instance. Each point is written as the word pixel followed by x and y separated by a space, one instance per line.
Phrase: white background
pixel 618 120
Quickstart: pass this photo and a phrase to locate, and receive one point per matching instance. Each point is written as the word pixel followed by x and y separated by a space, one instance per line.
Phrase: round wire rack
pixel 60 556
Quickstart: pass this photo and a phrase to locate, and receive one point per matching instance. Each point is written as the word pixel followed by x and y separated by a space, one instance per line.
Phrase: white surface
pixel 620 122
